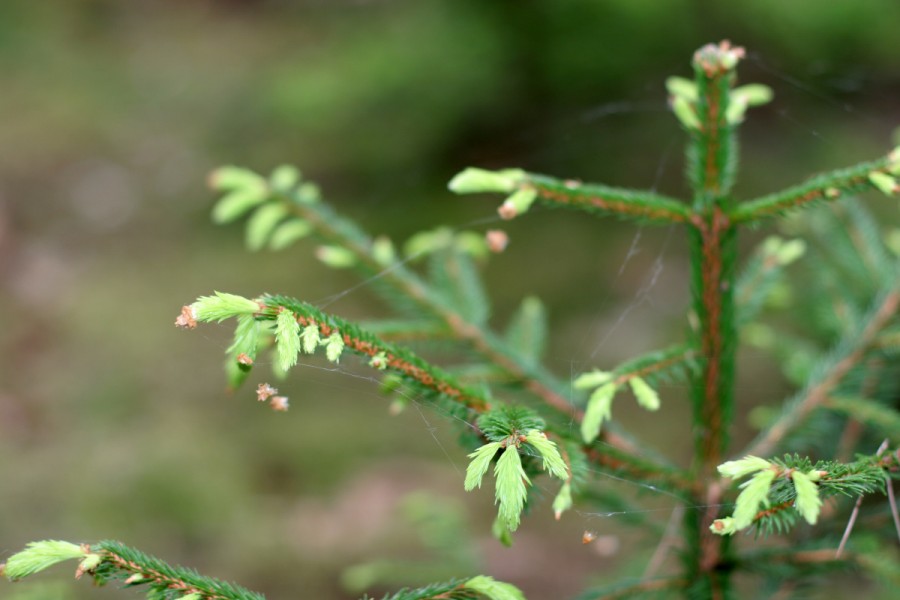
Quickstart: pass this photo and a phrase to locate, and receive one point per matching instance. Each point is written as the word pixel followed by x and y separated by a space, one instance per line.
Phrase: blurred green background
pixel 113 424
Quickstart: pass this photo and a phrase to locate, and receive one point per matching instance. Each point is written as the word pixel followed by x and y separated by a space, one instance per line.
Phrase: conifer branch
pixel 313 327
pixel 112 561
pixel 109 561
pixel 340 231
pixel 367 345
pixel 662 364
pixel 819 188
pixel 712 149
pixel 780 491
pixel 846 356
pixel 605 200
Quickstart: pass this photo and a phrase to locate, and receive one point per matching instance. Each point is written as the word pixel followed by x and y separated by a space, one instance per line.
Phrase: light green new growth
pixel 289 232
pixel 807 502
pixel 284 178
pixel 287 339
pixel 478 466
pixel 511 489
pixel 737 469
pixel 592 379
pixel 527 331
pixel 552 460
pixel 740 99
pixel 755 493
pixel 518 203
pixel 599 409
pixel 646 396
pixel 222 306
pixel 681 87
pixel 383 251
pixel 246 337
pixel 261 225
pixel 563 500
pixel 336 257
pixel 229 177
pixel 474 181
pixel 493 589
pixel 310 338
pixel 685 113
pixel 884 182
pixel 38 556
pixel 247 192
pixel 334 345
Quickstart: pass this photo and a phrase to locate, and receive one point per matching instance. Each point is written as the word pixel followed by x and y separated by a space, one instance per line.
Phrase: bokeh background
pixel 113 424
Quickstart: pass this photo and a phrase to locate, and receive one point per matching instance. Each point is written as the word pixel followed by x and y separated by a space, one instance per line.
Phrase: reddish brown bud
pixel 186 319
pixel 244 359
pixel 497 240
pixel 264 391
pixel 279 403
pixel 507 211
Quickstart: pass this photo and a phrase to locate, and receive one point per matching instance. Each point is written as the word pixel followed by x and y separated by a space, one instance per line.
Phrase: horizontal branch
pixel 620 456
pixel 657 364
pixel 396 358
pixel 535 379
pixel 824 187
pixel 112 561
pixel 405 283
pixel 605 200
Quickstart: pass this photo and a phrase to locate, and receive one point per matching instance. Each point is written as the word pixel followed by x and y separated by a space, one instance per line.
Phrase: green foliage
pixel 527 331
pixel 262 224
pixel 287 339
pixel 599 409
pixel 473 181
pixel 792 487
pixel 111 561
pixel 807 500
pixel 247 337
pixel 755 493
pixel 646 395
pixel 508 421
pixel 481 462
pixel 846 366
pixel 222 306
pixel 38 556
pixel 493 589
pixel 511 491
pixel 552 461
